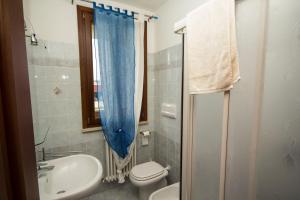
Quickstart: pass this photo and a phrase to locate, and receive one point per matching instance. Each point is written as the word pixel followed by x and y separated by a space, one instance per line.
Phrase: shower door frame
pixel 187 136
pixel 188 102
pixel 187 130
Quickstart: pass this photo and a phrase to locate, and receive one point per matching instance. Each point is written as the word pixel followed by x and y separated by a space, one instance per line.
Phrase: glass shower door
pixel 278 156
pixel 207 135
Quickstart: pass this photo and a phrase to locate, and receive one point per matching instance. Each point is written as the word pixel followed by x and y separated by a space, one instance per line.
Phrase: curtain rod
pixel 89 1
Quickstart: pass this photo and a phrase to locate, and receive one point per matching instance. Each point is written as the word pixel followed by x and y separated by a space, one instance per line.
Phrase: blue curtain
pixel 114 34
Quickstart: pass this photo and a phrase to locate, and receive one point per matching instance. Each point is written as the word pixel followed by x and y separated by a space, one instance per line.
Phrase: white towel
pixel 212 47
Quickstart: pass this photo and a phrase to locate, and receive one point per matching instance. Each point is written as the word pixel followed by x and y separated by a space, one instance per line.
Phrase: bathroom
pixel 57 86
pixel 186 141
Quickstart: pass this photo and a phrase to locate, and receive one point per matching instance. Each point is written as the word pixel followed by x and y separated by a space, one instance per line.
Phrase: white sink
pixel 73 177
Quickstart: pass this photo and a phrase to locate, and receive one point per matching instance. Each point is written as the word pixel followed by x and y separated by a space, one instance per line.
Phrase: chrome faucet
pixel 43 166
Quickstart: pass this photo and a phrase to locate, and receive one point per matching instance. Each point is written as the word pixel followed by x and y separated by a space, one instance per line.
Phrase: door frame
pixel 18 176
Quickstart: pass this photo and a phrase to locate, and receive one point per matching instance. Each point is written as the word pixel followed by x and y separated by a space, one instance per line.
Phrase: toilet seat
pixel 147 173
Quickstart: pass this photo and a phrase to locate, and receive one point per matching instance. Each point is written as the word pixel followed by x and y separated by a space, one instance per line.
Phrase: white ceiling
pixel 151 5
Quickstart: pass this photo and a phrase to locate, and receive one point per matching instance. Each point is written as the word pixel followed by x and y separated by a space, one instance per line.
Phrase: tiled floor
pixel 124 191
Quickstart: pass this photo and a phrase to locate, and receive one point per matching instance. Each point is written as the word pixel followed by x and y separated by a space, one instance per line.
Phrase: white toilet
pixel 148 177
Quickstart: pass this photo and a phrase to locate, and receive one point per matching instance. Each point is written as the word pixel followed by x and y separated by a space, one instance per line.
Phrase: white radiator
pixel 111 167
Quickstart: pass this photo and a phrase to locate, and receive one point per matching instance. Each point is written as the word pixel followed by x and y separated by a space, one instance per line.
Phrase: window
pixel 90 81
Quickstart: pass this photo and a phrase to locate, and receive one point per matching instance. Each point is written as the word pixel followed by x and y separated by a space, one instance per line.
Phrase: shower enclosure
pixel 278 154
pixel 263 149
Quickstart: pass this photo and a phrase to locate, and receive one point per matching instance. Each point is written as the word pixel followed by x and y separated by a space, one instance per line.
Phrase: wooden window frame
pixel 144 108
pixel 85 21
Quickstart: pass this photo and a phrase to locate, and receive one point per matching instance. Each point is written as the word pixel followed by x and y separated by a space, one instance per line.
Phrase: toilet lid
pixel 147 170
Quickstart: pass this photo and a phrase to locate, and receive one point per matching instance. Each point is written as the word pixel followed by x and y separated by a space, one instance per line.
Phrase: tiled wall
pixel 56 65
pixel 165 76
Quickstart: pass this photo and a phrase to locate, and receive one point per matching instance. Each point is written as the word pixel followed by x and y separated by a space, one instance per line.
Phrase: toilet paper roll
pixel 145 133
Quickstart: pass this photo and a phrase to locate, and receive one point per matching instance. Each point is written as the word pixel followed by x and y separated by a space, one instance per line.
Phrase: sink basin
pixel 73 177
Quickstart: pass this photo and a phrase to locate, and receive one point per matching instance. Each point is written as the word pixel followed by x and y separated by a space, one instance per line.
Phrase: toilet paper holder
pixel 145 133
pixel 145 137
